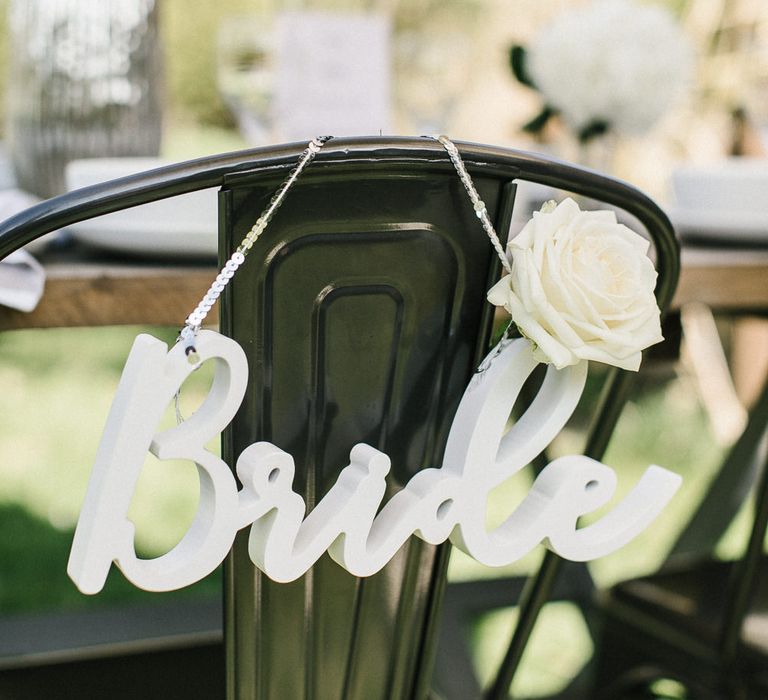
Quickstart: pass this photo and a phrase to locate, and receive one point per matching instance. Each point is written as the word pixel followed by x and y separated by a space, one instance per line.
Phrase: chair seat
pixel 686 605
pixel 699 621
pixel 172 650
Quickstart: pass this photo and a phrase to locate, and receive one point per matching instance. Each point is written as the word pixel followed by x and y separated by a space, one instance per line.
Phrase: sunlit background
pixel 441 65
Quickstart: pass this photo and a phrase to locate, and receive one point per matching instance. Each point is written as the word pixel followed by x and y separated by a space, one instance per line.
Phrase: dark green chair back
pixel 362 313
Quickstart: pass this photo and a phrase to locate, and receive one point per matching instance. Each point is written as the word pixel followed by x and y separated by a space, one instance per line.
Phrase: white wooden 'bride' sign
pixel 437 504
pixel 580 287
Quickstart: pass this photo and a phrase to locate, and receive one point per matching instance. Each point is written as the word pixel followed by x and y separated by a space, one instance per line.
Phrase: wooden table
pixel 92 292
pixel 102 293
pixel 725 279
pixel 734 281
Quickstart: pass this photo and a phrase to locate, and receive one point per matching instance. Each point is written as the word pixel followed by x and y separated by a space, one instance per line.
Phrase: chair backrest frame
pixel 216 171
pixel 362 166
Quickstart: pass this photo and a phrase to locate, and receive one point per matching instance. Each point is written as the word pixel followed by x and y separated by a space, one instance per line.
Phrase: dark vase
pixel 85 81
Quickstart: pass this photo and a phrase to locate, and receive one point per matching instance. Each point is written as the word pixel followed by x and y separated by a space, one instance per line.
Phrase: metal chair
pixel 698 621
pixel 362 312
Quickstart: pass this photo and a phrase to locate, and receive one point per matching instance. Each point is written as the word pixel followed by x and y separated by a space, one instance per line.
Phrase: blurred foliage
pixel 3 58
pixel 34 575
pixel 190 34
pixel 57 387
pixel 190 43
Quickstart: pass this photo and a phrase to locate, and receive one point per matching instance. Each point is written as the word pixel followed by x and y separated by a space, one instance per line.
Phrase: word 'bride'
pixel 437 504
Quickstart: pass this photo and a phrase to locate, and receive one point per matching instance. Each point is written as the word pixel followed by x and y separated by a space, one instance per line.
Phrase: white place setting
pixel 722 203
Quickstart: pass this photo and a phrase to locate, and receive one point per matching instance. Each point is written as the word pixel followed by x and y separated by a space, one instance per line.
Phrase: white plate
pixel 747 226
pixel 185 225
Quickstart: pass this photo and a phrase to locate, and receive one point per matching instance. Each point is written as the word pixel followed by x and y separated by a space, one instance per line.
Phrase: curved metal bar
pixel 214 171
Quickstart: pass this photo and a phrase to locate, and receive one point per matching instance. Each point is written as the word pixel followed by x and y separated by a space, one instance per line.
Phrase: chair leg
pixel 745 574
pixel 731 485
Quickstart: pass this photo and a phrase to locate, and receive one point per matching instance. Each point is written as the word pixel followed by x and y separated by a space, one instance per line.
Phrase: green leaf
pixel 593 129
pixel 517 56
pixel 540 120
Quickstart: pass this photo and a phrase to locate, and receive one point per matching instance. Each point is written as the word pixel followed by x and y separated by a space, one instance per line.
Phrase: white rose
pixel 581 288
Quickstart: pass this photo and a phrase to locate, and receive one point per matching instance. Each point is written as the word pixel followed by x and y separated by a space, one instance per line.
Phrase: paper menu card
pixel 333 75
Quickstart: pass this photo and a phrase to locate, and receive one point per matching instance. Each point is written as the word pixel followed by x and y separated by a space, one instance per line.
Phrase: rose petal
pixel 498 295
pixel 555 352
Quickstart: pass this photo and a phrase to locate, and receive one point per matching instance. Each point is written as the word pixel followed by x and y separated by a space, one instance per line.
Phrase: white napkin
pixel 22 280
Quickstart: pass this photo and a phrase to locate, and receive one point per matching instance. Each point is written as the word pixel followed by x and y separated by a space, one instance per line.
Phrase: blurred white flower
pixel 615 62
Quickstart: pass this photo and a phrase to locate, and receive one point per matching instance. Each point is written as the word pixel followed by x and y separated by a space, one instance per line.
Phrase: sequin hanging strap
pixel 477 203
pixel 482 214
pixel 196 318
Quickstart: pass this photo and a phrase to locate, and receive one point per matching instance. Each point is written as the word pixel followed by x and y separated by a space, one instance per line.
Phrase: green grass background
pixel 57 385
